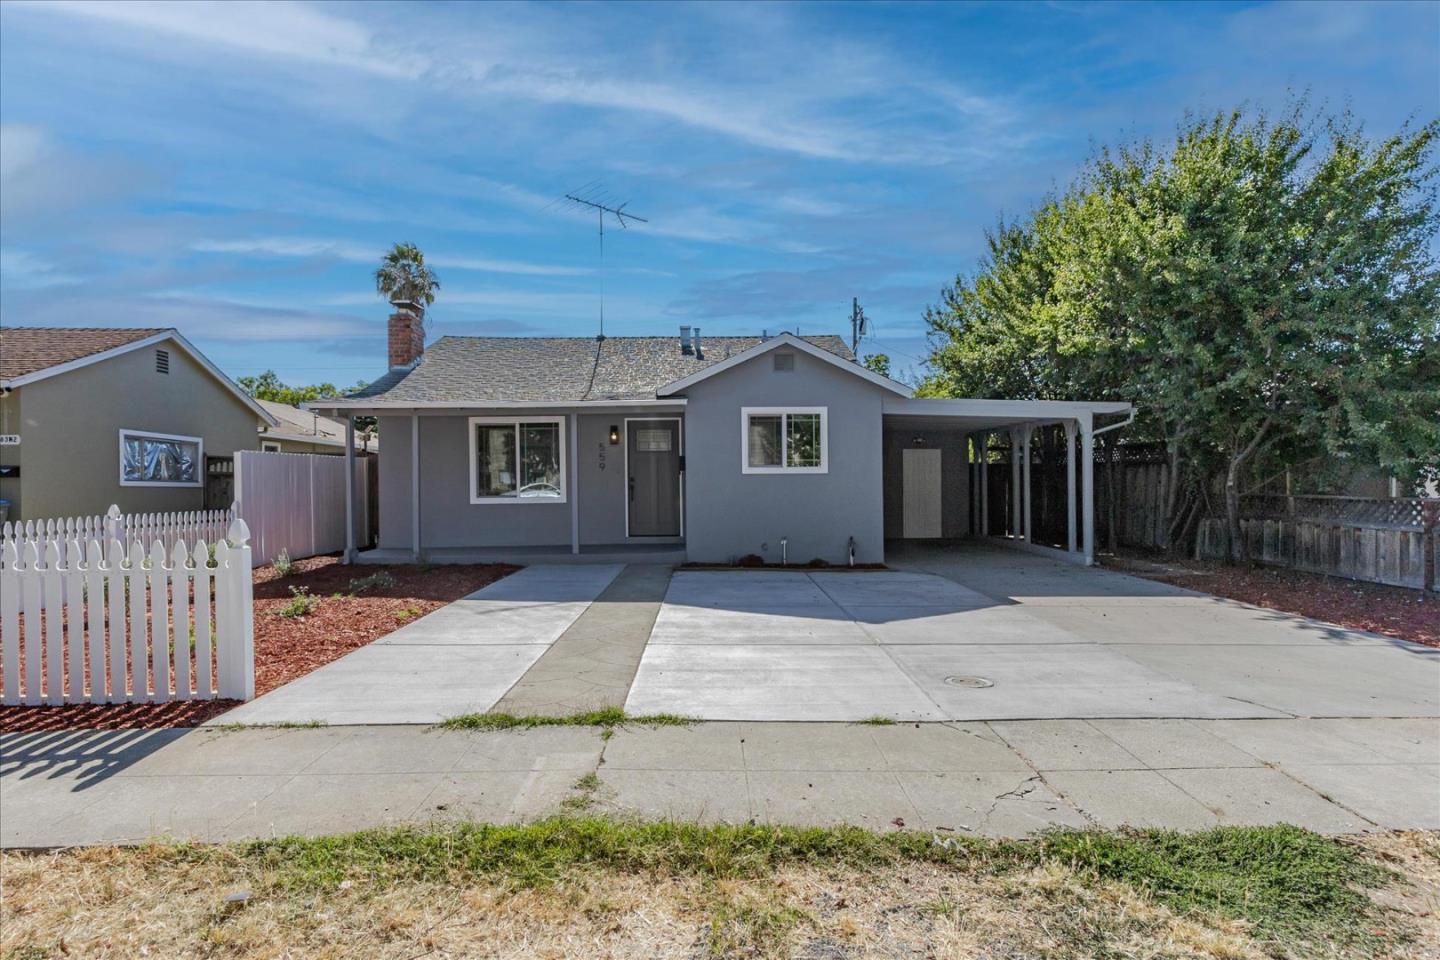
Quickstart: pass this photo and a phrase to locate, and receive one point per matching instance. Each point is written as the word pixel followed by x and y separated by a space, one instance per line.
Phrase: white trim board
pixel 785 340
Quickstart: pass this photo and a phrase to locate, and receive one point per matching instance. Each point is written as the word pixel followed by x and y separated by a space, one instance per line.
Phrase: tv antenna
pixel 595 200
pixel 859 325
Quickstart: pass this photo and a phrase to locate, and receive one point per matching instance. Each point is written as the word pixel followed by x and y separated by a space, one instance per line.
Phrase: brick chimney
pixel 407 334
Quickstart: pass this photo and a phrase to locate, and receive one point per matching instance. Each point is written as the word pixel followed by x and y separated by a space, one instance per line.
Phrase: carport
pixel 971 468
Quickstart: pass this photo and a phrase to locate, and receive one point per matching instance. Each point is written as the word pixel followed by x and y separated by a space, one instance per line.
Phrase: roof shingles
pixel 556 369
pixel 26 350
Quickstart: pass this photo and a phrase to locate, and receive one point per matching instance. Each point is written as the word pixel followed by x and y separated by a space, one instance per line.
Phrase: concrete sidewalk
pixel 1005 778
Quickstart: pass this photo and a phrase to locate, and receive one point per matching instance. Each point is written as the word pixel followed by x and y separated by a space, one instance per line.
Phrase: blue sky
pixel 235 170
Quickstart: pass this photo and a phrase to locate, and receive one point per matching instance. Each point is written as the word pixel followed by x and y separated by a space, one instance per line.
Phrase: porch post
pixel 349 490
pixel 1015 521
pixel 1087 474
pixel 985 483
pixel 1025 478
pixel 1070 483
pixel 574 484
pixel 415 484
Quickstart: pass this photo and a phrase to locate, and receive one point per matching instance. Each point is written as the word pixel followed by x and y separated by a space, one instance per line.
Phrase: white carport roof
pixel 995 414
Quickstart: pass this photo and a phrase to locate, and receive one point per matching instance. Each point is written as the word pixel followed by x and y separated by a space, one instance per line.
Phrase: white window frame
pixel 515 422
pixel 199 442
pixel 270 446
pixel 747 412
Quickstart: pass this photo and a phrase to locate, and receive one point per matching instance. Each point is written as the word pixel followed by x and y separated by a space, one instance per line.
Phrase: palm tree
pixel 404 278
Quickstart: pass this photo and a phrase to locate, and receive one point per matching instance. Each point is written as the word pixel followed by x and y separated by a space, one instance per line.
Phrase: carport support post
pixel 1015 515
pixel 349 492
pixel 1025 478
pixel 415 483
pixel 1087 474
pixel 985 483
pixel 1070 483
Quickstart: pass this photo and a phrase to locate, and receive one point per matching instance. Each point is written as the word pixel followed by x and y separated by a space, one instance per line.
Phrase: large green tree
pixel 1264 290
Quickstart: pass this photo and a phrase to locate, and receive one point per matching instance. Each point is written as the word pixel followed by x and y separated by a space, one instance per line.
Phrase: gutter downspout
pixel 1129 419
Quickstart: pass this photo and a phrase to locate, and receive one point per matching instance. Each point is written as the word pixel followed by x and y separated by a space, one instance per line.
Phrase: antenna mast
pixel 595 201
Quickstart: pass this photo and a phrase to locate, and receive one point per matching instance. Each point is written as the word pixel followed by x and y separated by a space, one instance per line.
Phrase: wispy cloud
pixel 274 28
pixel 303 248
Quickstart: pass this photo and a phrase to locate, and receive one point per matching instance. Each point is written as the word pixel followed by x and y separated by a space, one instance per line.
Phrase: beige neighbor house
pixel 302 431
pixel 139 418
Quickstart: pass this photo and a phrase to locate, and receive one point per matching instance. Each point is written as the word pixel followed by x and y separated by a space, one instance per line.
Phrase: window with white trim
pixel 784 440
pixel 519 460
pixel 159 460
pixel 269 446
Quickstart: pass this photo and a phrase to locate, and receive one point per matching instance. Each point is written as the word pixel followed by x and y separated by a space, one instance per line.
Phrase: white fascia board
pixel 1009 409
pixel 164 335
pixel 344 408
pixel 785 340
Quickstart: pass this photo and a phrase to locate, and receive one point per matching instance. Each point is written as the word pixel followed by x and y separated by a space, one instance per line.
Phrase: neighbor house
pixel 305 431
pixel 95 416
pixel 723 449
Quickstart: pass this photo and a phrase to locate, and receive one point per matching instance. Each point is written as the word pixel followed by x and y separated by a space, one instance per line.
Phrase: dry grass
pixel 151 901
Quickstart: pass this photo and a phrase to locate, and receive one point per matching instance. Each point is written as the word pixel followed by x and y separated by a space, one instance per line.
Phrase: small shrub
pixel 301 603
pixel 284 566
pixel 407 613
pixel 379 580
pixel 818 562
pixel 750 560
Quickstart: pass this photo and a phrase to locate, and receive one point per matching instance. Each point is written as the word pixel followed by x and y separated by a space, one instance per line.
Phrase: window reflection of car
pixel 538 489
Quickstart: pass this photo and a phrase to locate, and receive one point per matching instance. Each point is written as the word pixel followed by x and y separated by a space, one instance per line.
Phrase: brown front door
pixel 652 455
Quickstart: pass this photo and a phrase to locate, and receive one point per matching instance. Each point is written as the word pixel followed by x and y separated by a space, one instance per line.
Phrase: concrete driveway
pixel 994 634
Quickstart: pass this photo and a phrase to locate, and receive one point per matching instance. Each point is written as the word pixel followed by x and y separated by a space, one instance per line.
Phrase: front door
pixel 652 456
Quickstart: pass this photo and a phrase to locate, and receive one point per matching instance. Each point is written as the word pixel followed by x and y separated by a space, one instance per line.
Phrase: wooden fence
pixel 116 624
pixel 1382 540
pixel 295 502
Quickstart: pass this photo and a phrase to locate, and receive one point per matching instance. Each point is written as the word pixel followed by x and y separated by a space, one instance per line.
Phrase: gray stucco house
pixel 667 448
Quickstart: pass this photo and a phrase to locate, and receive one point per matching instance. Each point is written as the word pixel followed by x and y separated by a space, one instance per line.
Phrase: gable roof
pixel 39 353
pixel 784 340
pixel 305 426
pixel 27 350
pixel 484 370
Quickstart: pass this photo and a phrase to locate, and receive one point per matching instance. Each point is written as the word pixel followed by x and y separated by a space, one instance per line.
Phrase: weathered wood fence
pixel 103 622
pixel 1362 538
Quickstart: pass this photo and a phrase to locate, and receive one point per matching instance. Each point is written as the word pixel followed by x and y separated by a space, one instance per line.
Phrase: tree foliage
pixel 1265 291
pixel 268 386
pixel 877 363
pixel 403 277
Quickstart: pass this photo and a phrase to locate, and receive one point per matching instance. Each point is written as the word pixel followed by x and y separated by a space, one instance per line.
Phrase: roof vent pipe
pixel 684 338
pixel 695 343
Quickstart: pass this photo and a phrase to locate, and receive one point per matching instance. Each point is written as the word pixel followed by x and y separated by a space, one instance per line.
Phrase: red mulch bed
pixel 287 648
pixel 1392 611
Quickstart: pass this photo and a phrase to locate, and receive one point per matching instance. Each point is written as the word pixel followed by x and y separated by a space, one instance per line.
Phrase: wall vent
pixel 162 361
pixel 784 362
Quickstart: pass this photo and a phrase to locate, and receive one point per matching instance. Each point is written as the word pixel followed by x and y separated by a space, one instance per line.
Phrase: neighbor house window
pixel 517 460
pixel 159 460
pixel 783 440
pixel 269 446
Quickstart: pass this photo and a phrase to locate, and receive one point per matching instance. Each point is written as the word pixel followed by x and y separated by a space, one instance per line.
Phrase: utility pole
pixel 859 325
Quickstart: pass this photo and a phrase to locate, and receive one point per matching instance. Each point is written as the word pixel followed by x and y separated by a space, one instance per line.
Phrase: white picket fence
pixel 114 624
pixel 168 528
pixel 295 502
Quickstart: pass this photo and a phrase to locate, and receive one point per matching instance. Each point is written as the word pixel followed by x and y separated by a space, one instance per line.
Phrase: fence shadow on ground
pixel 88 756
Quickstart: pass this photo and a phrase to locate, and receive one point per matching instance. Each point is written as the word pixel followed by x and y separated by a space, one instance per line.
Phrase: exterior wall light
pixel 614 435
